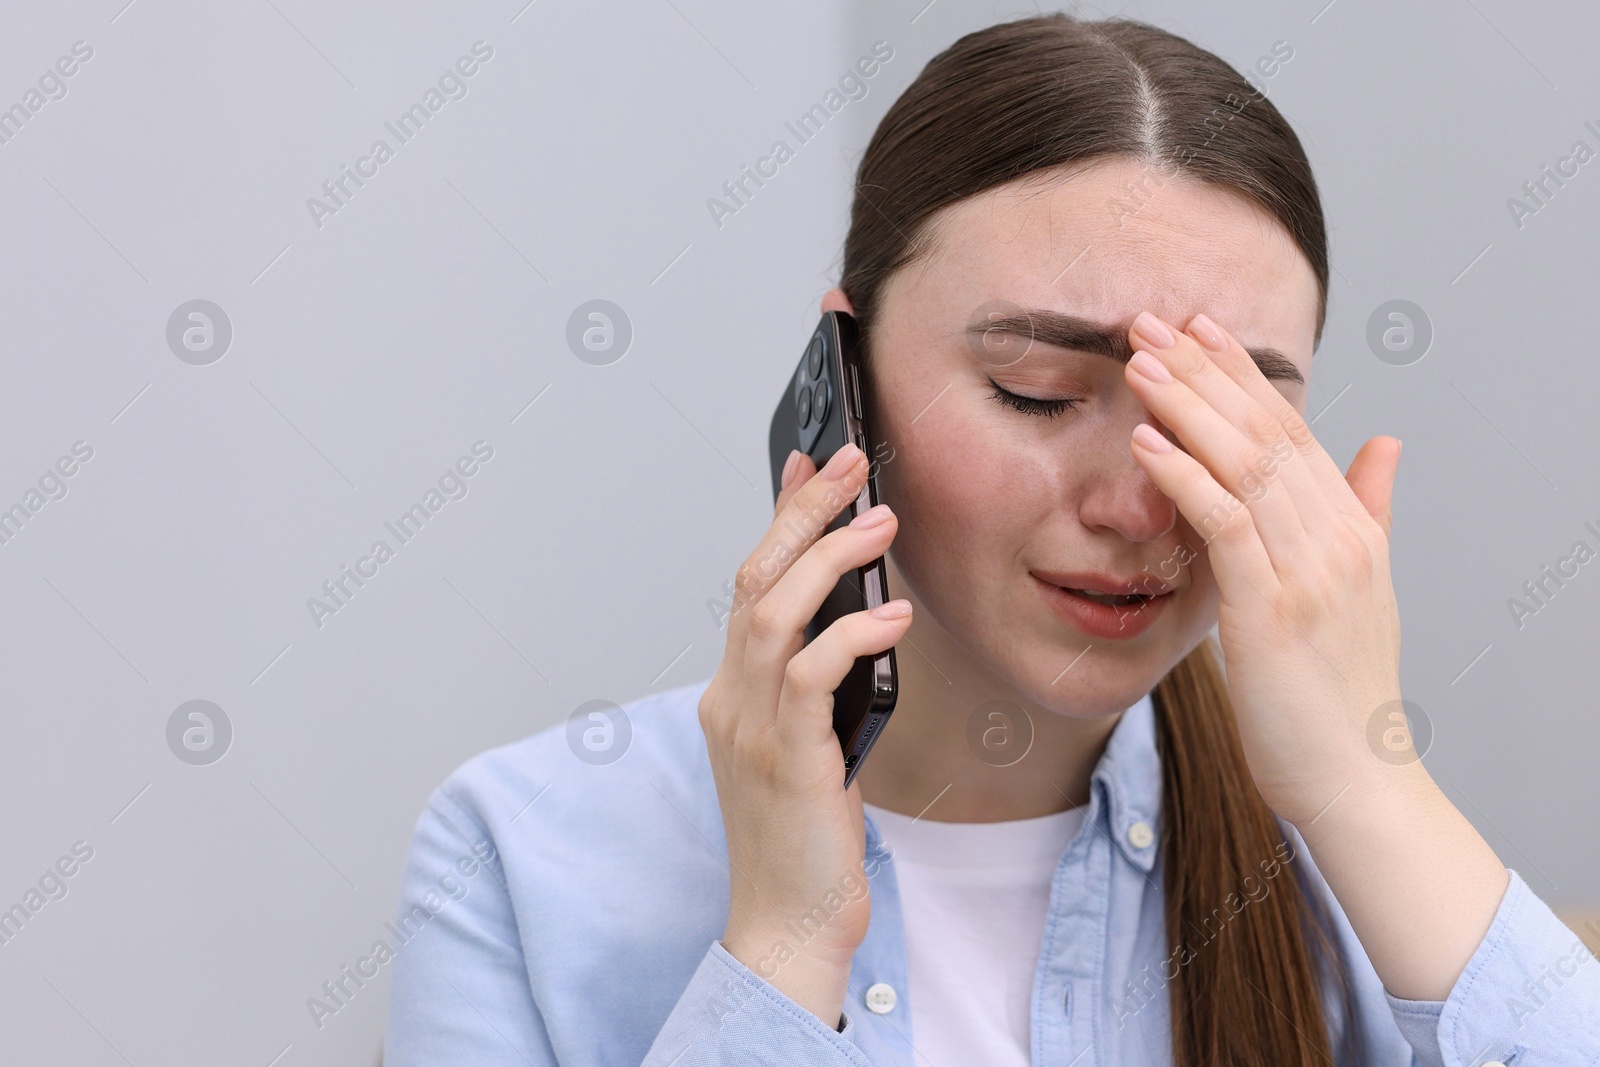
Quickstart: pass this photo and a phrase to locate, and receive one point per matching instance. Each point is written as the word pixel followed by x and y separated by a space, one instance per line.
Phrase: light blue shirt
pixel 557 908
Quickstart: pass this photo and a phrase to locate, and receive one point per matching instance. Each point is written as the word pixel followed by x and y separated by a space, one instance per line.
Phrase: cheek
pixel 967 491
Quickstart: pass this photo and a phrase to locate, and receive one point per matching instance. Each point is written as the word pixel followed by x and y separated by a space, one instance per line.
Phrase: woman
pixel 1073 247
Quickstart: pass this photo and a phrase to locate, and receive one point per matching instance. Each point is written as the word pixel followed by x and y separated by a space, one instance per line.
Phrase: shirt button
pixel 881 998
pixel 1140 836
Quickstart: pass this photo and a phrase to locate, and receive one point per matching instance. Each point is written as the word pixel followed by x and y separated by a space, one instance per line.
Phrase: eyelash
pixel 1029 405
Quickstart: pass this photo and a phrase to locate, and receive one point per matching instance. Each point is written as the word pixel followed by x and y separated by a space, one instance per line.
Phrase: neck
pixel 957 748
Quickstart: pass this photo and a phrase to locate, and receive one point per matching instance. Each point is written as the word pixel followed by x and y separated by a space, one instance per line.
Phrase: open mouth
pixel 1111 610
pixel 1110 600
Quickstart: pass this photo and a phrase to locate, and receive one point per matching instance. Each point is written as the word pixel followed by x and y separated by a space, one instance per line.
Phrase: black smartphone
pixel 822 407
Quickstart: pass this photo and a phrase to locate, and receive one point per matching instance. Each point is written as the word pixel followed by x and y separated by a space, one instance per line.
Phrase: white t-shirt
pixel 973 898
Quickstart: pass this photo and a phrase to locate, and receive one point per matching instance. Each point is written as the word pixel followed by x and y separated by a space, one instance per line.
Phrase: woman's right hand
pixel 795 834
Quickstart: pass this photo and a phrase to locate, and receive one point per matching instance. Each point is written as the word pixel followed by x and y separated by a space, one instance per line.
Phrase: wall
pixel 216 487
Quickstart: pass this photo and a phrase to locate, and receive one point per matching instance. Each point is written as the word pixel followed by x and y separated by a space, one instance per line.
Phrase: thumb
pixel 852 800
pixel 1371 477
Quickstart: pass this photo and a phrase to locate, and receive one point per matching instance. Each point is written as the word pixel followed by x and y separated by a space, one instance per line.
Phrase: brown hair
pixel 1045 92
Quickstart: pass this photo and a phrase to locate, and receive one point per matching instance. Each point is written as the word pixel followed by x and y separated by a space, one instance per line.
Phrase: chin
pixel 1104 677
pixel 1093 686
pixel 1090 692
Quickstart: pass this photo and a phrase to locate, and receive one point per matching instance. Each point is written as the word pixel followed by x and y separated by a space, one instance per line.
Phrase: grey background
pixel 369 354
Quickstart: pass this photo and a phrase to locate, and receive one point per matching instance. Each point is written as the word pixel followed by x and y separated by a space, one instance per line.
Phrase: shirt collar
pixel 1129 773
pixel 1129 776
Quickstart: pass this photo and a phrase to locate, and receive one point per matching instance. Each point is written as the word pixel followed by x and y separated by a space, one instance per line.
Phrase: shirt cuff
pixel 730 1015
pixel 1530 992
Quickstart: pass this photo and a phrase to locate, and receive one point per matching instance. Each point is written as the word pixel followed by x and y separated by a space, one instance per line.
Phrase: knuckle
pixel 1222 520
pixel 1255 469
pixel 832 549
pixel 1236 524
pixel 765 620
pixel 748 583
pixel 1260 428
pixel 1191 361
pixel 817 504
pixel 710 710
pixel 800 674
pixel 1352 556
pixel 1298 431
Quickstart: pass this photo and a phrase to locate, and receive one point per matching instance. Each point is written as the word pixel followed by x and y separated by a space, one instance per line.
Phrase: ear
pixel 835 300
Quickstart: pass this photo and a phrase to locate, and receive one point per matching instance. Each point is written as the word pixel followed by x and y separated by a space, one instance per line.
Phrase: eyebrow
pixel 1085 335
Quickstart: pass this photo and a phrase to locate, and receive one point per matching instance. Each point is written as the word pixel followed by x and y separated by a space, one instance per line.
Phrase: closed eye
pixel 1030 405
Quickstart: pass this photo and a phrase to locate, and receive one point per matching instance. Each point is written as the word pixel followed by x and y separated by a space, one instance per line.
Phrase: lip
pixel 1102 620
pixel 1107 584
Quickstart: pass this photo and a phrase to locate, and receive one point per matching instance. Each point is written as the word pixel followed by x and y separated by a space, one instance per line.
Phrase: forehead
pixel 1110 239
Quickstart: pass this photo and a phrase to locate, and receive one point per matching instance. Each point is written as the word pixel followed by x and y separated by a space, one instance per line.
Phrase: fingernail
pixel 789 466
pixel 1151 438
pixel 1208 333
pixel 842 461
pixel 1150 366
pixel 1154 329
pixel 876 515
pixel 894 609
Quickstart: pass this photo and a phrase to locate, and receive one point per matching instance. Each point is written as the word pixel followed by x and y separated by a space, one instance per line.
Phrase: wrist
pixel 1377 799
pixel 772 938
pixel 1417 882
pixel 768 950
pixel 1376 802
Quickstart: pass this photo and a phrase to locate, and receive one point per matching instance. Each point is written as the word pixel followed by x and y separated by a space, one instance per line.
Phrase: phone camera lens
pixel 819 403
pixel 814 358
pixel 803 406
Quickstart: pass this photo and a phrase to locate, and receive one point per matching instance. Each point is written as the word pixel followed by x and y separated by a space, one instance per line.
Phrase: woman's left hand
pixel 1308 622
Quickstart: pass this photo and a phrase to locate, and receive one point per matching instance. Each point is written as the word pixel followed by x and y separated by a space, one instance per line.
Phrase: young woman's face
pixel 994 501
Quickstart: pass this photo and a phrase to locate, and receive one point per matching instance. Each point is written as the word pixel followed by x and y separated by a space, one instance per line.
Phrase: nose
pixel 1118 495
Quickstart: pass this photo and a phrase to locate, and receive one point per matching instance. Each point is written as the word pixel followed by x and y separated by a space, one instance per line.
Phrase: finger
pixel 1229 355
pixel 1242 468
pixel 1371 478
pixel 797 470
pixel 1257 413
pixel 805 704
pixel 778 622
pixel 1237 557
pixel 810 505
